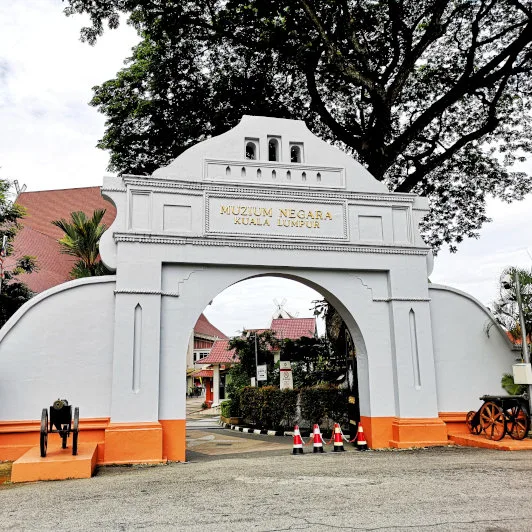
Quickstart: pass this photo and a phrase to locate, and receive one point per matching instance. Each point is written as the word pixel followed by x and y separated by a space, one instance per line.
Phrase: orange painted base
pixel 133 443
pixel 174 439
pixel 59 464
pixel 414 432
pixel 402 433
pixel 506 444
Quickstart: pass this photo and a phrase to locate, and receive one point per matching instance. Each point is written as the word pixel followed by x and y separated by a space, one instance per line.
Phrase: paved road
pixel 424 490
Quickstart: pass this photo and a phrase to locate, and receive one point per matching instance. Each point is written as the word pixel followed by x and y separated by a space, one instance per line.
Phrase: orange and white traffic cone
pixel 362 444
pixel 298 442
pixel 317 440
pixel 338 439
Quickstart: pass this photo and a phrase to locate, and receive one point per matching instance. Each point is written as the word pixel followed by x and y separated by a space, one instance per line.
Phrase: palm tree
pixel 81 240
pixel 506 310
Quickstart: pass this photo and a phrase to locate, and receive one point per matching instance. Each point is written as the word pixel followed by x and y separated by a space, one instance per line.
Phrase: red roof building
pixel 220 354
pixel 39 237
pixel 293 328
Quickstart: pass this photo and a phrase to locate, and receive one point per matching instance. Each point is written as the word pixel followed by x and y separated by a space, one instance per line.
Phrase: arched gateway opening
pixel 321 352
pixel 224 211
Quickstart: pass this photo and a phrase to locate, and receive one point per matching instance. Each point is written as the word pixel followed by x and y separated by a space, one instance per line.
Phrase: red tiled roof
pixel 44 206
pixel 204 326
pixel 39 237
pixel 293 328
pixel 219 354
pixel 203 373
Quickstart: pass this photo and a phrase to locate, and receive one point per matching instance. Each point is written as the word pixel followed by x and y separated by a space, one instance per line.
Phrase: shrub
pixel 268 406
pixel 225 408
pixel 276 406
pixel 234 404
pixel 250 404
pixel 324 401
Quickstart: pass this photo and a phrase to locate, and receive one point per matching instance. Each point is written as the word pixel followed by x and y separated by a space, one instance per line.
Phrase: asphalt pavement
pixel 424 490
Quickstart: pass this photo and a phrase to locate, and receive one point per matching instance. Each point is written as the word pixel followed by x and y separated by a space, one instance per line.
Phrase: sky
pixel 48 134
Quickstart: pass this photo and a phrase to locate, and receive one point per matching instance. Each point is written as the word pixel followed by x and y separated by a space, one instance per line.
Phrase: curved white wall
pixel 59 345
pixel 469 363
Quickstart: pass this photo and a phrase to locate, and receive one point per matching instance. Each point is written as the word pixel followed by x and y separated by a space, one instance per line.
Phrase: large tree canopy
pixel 432 96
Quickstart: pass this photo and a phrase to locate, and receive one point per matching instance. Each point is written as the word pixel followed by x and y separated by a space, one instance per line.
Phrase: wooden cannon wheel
pixel 493 421
pixel 44 432
pixel 518 422
pixel 473 429
pixel 75 431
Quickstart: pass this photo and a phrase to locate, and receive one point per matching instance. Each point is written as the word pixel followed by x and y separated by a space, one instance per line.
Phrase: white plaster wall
pixel 353 293
pixel 468 362
pixel 59 345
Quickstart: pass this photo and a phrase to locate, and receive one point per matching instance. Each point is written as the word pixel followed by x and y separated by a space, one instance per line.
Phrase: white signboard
pixel 285 375
pixel 265 217
pixel 262 373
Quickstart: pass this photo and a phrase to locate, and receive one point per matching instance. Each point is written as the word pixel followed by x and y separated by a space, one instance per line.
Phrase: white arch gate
pixel 298 208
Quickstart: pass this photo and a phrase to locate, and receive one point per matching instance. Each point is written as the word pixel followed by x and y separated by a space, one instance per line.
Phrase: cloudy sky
pixel 48 135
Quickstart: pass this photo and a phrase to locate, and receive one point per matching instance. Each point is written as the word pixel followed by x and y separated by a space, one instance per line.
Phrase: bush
pixel 278 406
pixel 268 406
pixel 225 408
pixel 324 401
pixel 250 404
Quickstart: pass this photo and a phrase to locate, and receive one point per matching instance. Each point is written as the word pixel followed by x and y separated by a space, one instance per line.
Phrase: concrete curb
pixel 263 432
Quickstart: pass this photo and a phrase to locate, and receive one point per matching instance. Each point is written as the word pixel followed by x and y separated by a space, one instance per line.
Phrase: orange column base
pixel 174 439
pixel 133 443
pixel 59 464
pixel 402 433
pixel 418 432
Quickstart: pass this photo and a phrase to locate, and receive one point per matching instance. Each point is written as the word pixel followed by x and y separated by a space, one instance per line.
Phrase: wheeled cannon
pixel 500 415
pixel 60 422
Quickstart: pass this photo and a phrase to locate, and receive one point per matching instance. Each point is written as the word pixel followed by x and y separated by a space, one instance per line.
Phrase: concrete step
pixel 59 464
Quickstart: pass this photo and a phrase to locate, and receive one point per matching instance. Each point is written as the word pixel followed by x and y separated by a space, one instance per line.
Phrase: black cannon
pixel 62 423
pixel 500 415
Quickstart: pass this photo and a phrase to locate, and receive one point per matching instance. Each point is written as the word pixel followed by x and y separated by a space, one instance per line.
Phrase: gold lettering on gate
pixel 285 216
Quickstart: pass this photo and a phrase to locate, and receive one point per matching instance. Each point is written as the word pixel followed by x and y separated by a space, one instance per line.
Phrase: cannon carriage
pixel 500 415
pixel 60 422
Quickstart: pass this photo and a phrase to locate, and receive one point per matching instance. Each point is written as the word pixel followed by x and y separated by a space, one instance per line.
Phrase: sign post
pixel 285 375
pixel 262 373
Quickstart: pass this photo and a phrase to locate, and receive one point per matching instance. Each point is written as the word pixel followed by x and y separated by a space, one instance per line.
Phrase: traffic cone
pixel 362 445
pixel 298 442
pixel 317 440
pixel 338 439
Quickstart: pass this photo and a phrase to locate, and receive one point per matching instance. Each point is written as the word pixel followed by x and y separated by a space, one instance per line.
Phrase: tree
pixel 432 96
pixel 505 308
pixel 314 361
pixel 13 292
pixel 506 312
pixel 245 351
pixel 81 240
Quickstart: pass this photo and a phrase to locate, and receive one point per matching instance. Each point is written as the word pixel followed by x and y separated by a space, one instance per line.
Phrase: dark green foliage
pixel 507 383
pixel 314 361
pixel 432 96
pixel 269 407
pixel 14 293
pixel 236 379
pixel 324 402
pixel 245 351
pixel 277 405
pixel 505 309
pixel 251 404
pixel 225 408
